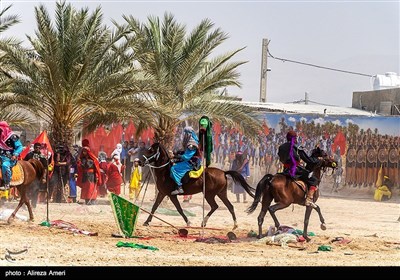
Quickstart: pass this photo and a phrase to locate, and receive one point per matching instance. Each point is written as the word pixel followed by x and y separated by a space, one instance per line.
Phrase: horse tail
pixel 237 177
pixel 264 182
pixel 38 166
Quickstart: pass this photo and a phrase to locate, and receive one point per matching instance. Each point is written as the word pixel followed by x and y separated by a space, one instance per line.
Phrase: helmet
pixel 291 134
pixel 102 156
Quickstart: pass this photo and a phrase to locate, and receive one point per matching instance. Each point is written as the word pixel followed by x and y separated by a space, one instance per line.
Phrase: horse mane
pixel 38 166
pixel 163 149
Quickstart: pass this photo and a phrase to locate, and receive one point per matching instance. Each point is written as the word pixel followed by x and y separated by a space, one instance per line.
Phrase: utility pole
pixel 264 70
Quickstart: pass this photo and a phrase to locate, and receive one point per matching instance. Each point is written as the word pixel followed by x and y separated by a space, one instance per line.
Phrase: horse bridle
pixel 156 156
pixel 324 168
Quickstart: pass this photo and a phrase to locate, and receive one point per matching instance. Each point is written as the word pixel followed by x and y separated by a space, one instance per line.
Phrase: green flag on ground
pixel 126 214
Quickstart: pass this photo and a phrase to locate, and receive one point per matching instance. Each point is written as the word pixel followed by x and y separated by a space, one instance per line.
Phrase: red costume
pixel 114 179
pixel 103 171
pixel 89 177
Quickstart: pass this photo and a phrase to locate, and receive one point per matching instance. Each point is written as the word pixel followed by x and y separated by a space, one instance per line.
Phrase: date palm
pixel 77 68
pixel 188 76
pixel 11 114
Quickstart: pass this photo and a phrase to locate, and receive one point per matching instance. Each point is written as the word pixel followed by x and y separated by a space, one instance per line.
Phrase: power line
pixel 318 66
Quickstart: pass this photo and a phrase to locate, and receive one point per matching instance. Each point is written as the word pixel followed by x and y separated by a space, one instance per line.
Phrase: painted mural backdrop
pixel 361 145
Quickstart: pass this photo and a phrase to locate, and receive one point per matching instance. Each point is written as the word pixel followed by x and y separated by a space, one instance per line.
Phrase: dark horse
pixel 32 169
pixel 285 191
pixel 215 185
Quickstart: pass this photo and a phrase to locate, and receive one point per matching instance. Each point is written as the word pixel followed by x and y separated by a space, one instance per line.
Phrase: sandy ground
pixel 371 226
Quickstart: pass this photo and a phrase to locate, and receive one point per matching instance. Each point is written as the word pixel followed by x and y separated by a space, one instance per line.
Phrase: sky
pixel 356 36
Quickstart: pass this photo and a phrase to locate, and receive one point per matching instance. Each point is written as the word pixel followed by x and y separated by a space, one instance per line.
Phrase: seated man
pixel 10 148
pixel 384 192
pixel 290 155
pixel 182 160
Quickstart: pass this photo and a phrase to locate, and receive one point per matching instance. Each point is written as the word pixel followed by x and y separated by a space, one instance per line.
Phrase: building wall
pixel 372 101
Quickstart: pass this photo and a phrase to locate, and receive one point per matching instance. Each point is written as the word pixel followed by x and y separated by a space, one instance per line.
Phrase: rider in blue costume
pixel 183 161
pixel 10 148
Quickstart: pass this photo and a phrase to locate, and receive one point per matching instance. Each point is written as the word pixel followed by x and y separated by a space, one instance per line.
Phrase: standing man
pixel 241 165
pixel 103 171
pixel 88 175
pixel 136 179
pixel 10 148
pixel 60 177
pixel 114 176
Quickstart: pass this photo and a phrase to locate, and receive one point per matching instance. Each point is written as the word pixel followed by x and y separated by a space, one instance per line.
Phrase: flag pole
pixel 47 186
pixel 124 174
pixel 204 183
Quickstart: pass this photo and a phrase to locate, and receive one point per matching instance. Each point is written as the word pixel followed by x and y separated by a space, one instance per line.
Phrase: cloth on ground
pixel 136 246
pixel 71 227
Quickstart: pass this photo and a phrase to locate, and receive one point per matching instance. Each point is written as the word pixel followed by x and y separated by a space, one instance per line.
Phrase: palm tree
pixel 11 114
pixel 77 68
pixel 188 79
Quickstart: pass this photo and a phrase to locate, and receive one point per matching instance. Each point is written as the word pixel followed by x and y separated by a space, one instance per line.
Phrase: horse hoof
pixel 235 227
pixel 307 238
pixel 146 224
pixel 188 224
pixel 323 226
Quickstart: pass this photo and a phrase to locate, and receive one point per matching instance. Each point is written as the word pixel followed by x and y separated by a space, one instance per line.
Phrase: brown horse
pixel 285 191
pixel 32 169
pixel 215 184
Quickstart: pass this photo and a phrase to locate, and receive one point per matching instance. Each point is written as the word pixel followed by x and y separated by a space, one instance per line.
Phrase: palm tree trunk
pixel 61 134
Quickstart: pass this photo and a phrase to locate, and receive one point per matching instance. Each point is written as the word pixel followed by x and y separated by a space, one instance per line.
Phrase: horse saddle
pixel 296 179
pixel 17 175
pixel 301 184
pixel 192 174
pixel 196 173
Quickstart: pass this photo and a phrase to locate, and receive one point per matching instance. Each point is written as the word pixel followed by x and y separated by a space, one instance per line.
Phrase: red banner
pixel 43 139
pixel 108 139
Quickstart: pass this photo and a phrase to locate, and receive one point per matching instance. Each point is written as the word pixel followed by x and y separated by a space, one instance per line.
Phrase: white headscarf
pixel 117 150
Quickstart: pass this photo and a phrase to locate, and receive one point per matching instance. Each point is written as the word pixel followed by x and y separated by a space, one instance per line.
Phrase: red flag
pixel 46 147
pixel 265 127
pixel 339 141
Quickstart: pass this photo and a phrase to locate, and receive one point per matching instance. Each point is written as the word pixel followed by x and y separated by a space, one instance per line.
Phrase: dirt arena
pixel 372 227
